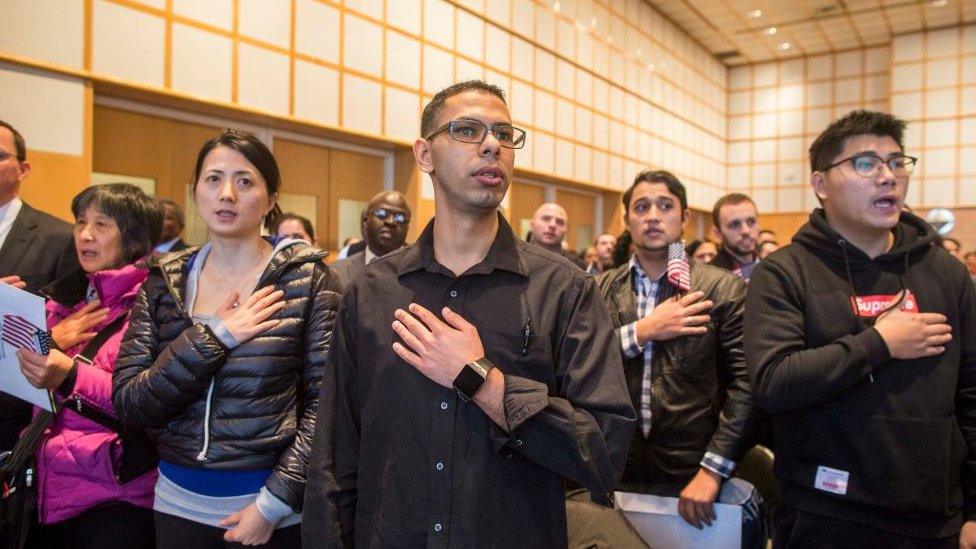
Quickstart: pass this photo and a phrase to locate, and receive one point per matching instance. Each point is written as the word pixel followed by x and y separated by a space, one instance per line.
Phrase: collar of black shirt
pixel 503 254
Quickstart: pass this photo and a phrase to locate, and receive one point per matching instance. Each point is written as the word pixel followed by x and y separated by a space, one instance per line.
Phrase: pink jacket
pixel 78 458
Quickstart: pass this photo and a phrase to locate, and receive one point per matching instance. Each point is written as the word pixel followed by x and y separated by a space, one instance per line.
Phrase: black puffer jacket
pixel 701 399
pixel 265 391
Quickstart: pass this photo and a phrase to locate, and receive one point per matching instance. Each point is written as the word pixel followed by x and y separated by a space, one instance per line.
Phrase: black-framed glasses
pixel 475 131
pixel 399 218
pixel 869 164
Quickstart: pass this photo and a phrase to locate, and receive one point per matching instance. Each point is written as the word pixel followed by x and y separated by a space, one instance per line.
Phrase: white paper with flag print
pixel 679 273
pixel 22 324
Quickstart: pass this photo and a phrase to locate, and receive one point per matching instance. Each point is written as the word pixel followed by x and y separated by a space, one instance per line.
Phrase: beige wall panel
pixel 470 35
pixel 128 43
pixel 498 54
pixel 402 59
pixel 219 13
pixel 316 93
pixel 263 79
pixel 372 8
pixel 47 109
pixel 50 30
pixel 305 169
pixel 438 69
pixel 317 30
pixel 362 104
pixel 201 63
pixel 363 46
pixel 266 20
pixel 405 14
pixel 466 70
pixel 439 22
pixel 499 11
pixel 402 114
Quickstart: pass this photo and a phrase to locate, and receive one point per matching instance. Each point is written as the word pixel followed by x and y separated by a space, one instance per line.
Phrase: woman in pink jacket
pixel 95 485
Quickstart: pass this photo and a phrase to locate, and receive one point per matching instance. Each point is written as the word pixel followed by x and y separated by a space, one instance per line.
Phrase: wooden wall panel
pixel 525 200
pixel 305 170
pixel 581 211
pixel 353 176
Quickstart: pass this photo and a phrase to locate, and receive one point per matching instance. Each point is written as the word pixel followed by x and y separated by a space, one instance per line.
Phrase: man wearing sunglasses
pixel 385 223
pixel 861 343
pixel 469 379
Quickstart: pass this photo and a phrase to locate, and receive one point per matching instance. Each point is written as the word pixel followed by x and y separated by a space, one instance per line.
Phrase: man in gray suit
pixel 35 249
pixel 385 223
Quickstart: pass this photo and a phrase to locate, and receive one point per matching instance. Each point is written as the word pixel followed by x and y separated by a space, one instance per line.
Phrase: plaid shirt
pixel 646 294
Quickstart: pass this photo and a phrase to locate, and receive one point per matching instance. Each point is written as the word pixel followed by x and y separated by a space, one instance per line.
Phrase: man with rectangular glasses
pixel 861 344
pixel 384 226
pixel 470 378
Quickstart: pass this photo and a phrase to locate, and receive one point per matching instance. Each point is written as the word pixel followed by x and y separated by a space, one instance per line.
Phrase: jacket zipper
pixel 202 456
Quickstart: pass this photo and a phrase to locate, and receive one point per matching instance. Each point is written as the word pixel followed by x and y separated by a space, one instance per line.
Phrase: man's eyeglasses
pixel 475 131
pixel 869 164
pixel 399 218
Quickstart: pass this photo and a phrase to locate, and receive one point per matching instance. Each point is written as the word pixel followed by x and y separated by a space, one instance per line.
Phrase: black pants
pixel 178 533
pixel 796 529
pixel 113 525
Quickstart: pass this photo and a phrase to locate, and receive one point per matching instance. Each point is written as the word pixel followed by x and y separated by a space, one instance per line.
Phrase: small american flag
pixel 678 271
pixel 19 332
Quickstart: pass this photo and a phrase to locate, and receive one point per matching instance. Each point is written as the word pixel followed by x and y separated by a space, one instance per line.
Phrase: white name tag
pixel 831 480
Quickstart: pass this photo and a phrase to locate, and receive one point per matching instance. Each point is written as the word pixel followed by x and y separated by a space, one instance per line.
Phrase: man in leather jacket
pixel 680 328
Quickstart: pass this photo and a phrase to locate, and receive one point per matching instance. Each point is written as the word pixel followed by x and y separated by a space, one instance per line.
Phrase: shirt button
pixel 440 466
pixel 443 406
pixel 438 527
pixel 453 293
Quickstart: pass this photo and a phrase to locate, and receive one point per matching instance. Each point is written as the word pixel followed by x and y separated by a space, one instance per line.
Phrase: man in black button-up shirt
pixel 400 459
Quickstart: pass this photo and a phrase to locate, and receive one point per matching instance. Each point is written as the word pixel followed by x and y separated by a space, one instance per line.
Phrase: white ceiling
pixel 726 28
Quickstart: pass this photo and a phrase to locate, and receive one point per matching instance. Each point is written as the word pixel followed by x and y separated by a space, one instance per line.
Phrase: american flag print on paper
pixel 679 274
pixel 19 332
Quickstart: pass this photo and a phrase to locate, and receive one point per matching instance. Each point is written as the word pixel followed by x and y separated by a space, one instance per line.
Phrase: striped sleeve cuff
pixel 718 465
pixel 628 340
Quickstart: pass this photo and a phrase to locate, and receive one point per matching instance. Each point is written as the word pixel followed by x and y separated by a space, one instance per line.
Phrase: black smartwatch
pixel 471 378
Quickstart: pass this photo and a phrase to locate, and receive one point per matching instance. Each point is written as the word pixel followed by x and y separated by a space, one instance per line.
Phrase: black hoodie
pixel 861 436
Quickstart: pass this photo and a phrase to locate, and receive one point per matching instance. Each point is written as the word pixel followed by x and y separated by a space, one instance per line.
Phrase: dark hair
pixel 306 224
pixel 138 216
pixel 177 209
pixel 621 252
pixel 20 145
pixel 690 249
pixel 657 176
pixel 730 199
pixel 257 153
pixel 433 109
pixel 830 142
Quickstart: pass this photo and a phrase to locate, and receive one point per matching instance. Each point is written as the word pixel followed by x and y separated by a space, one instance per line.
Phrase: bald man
pixel 548 229
pixel 385 223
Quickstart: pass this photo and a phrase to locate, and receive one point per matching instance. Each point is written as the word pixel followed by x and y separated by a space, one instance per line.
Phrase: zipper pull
pixel 29 480
pixel 78 404
pixel 871 377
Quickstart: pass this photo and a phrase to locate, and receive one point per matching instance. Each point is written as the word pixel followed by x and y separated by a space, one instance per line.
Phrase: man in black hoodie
pixel 861 344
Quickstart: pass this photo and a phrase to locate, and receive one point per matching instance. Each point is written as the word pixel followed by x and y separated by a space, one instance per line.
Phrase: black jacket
pixel 902 431
pixel 700 394
pixel 265 391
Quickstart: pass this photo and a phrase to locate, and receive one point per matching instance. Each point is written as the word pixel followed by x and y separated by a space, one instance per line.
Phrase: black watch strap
pixel 471 377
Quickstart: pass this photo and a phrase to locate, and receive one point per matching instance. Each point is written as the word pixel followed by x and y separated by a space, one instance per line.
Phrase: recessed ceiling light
pixel 593 21
pixel 784 46
pixel 769 31
pixel 939 3
pixel 556 6
pixel 755 14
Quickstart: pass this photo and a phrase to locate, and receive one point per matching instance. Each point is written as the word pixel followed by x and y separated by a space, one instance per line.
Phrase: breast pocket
pixel 513 353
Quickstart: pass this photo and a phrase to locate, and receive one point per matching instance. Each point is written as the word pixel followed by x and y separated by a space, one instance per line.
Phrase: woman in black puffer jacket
pixel 223 360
